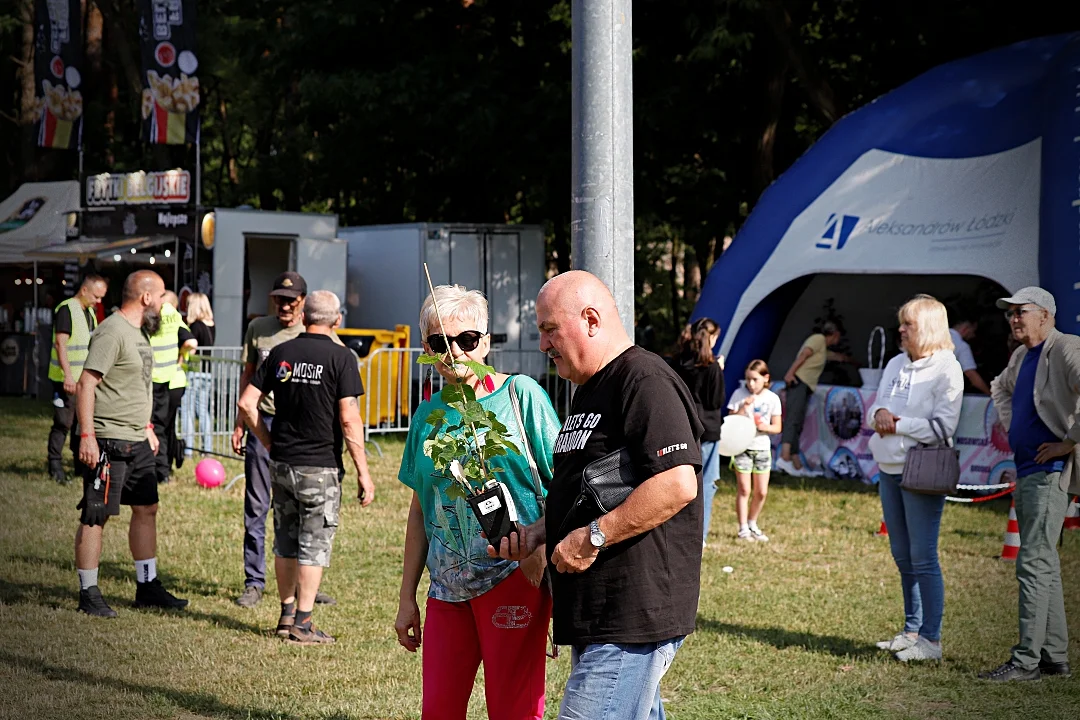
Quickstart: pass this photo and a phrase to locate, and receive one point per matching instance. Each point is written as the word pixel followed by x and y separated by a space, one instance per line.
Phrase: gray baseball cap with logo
pixel 1031 295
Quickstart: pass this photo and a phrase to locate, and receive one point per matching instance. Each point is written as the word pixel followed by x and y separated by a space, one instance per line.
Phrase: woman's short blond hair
pixel 931 322
pixel 455 302
pixel 198 308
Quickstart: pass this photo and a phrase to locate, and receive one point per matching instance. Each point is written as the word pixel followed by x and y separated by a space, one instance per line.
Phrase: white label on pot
pixel 510 507
pixel 490 505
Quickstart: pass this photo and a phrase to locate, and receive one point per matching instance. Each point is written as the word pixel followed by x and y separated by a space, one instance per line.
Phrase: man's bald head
pixel 579 324
pixel 141 282
pixel 170 297
pixel 576 290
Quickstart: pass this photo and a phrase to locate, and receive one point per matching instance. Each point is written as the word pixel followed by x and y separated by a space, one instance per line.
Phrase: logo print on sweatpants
pixel 511 617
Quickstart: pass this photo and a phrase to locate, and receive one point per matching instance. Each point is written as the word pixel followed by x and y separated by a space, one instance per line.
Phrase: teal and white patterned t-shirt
pixel 457 559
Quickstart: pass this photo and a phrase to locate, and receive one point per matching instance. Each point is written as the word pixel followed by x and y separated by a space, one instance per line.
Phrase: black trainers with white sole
pixel 154 595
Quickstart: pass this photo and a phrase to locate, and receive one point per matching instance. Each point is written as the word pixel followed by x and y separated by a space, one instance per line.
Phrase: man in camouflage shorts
pixel 315 385
pixel 306 504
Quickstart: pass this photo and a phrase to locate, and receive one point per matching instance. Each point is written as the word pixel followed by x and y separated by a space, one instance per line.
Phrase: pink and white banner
pixel 835 438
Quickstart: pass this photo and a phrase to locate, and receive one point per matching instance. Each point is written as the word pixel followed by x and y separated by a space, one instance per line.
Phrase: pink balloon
pixel 209 473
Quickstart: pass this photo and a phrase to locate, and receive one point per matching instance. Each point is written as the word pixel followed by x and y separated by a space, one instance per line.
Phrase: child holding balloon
pixel 752 466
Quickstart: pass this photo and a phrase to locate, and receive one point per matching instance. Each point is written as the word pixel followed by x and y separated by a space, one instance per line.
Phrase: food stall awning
pixel 37 215
pixel 90 248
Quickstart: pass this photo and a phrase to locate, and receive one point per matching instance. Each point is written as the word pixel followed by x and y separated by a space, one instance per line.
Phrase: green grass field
pixel 789 634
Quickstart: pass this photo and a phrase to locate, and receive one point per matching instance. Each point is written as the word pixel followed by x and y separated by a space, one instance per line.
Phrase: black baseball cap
pixel 290 285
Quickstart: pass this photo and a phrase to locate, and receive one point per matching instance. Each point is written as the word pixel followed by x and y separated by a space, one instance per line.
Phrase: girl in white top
pixel 761 405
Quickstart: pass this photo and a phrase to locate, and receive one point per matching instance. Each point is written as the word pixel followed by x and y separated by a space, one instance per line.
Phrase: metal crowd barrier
pixel 392 380
pixel 211 396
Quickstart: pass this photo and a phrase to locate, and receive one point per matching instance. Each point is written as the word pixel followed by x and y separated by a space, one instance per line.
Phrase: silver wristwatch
pixel 596 535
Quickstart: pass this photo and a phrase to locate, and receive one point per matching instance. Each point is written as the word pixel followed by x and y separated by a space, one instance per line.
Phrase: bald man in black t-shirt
pixel 625 589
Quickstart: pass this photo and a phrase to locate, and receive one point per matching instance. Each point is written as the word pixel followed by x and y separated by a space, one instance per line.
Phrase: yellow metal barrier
pixel 386 370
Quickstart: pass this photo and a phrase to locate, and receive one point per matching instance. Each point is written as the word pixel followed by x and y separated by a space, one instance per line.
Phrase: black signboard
pixel 58 60
pixel 170 98
pixel 139 222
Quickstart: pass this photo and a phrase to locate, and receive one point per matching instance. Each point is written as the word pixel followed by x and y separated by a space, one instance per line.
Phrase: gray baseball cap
pixel 1030 295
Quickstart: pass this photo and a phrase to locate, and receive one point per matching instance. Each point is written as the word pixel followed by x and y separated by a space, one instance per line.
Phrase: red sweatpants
pixel 506 629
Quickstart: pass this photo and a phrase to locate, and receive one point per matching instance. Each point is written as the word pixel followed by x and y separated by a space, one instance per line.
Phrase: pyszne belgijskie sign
pixel 58 103
pixel 170 98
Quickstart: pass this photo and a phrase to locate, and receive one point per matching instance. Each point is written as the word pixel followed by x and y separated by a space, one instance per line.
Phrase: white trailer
pixel 265 244
pixel 386 284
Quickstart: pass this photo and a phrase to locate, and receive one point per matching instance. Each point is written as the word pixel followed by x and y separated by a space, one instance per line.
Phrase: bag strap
pixel 938 427
pixel 538 489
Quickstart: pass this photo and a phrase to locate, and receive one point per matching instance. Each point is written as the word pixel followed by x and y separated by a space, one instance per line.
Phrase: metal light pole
pixel 602 211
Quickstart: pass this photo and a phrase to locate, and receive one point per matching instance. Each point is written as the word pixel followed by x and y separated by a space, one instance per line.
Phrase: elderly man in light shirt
pixel 1038 399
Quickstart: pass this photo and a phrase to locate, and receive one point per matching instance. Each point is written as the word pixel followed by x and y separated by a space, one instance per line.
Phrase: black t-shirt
pixel 644 589
pixel 706 385
pixel 204 334
pixel 308 376
pixel 62 320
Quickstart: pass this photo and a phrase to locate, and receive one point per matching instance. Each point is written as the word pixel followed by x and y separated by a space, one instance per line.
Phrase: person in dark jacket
pixel 702 373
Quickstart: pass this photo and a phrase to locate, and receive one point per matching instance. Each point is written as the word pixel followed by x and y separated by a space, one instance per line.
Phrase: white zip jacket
pixel 916 391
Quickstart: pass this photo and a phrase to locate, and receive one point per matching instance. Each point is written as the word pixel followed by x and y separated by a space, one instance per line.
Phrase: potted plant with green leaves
pixel 462 451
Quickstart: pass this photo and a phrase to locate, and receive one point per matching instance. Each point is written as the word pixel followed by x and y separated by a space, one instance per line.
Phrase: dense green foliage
pixel 459 110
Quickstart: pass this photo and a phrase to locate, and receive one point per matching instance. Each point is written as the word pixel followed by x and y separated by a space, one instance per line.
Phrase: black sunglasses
pixel 467 341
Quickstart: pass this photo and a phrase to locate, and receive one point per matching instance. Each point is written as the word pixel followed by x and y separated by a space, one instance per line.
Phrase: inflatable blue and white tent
pixel 971 170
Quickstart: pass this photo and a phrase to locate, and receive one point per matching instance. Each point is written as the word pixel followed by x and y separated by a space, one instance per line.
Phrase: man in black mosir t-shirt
pixel 315 384
pixel 626 584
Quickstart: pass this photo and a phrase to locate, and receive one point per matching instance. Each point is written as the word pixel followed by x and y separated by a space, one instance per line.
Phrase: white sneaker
pixel 902 641
pixel 786 467
pixel 758 535
pixel 746 535
pixel 923 649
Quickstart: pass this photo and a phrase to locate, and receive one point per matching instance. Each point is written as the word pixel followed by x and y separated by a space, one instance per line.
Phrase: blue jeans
pixel 710 473
pixel 196 406
pixel 617 681
pixel 914 522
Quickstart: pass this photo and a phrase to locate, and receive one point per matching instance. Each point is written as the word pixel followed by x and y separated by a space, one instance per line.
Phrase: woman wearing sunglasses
pixel 479 609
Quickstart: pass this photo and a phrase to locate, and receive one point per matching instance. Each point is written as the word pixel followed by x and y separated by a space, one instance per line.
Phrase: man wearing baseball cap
pixel 1038 399
pixel 263 334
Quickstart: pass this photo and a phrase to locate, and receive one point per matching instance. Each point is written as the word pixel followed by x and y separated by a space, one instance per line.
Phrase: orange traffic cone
pixel 1072 517
pixel 1012 535
pixel 882 531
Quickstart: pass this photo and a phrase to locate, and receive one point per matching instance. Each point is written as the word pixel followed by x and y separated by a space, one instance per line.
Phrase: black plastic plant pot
pixel 496 512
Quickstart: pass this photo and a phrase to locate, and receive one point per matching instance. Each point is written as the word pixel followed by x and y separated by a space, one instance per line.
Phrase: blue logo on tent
pixel 847 226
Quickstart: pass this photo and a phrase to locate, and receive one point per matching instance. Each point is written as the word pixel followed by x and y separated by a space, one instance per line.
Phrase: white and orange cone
pixel 1012 535
pixel 882 531
pixel 1072 517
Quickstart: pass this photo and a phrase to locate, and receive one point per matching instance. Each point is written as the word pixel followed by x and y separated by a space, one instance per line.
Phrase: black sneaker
pixel 1010 672
pixel 1060 669
pixel 181 449
pixel 154 595
pixel 250 597
pixel 91 603
pixel 322 598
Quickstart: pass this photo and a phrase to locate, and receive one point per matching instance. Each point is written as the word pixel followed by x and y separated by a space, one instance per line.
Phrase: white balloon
pixel 736 434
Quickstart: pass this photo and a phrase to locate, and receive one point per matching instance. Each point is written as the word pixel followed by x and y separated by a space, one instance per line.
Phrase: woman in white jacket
pixel 923 382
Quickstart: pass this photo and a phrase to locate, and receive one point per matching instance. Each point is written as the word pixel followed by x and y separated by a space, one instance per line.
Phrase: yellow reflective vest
pixel 166 346
pixel 78 343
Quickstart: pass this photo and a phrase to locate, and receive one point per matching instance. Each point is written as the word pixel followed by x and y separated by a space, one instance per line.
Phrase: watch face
pixel 597 539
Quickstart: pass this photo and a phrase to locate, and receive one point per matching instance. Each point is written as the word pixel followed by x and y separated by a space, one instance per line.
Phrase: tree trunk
pixel 27 94
pixel 816 87
pixel 764 165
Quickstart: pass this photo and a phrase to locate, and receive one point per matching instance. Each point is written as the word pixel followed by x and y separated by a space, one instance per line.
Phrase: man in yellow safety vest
pixel 74 322
pixel 171 340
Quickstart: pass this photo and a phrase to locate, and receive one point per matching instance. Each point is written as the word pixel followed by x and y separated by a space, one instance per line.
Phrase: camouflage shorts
pixel 306 504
